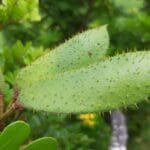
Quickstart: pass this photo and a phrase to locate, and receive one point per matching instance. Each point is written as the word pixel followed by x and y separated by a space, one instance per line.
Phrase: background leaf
pixel 45 143
pixel 14 135
pixel 133 6
pixel 13 11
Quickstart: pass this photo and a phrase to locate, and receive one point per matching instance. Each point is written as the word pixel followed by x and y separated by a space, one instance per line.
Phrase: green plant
pixel 78 73
pixel 82 50
pixel 79 76
pixel 12 11
pixel 15 134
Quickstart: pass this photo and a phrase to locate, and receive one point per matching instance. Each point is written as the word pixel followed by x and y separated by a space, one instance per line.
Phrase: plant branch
pixel 1 111
pixel 1 105
pixel 119 131
pixel 12 106
pixel 14 98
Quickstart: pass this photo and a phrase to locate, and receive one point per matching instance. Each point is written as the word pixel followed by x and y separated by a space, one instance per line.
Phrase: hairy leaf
pixel 118 81
pixel 80 51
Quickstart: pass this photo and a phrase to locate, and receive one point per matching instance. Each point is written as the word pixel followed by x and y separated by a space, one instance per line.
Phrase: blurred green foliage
pixel 22 41
pixel 13 10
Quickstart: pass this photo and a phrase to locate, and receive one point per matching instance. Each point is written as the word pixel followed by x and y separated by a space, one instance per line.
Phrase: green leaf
pixel 45 143
pixel 80 51
pixel 17 56
pixel 118 81
pixel 132 6
pixel 2 83
pixel 14 135
pixel 16 10
pixel 23 10
pixel 33 11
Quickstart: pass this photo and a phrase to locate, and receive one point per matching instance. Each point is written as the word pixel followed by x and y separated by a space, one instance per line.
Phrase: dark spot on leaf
pixel 90 54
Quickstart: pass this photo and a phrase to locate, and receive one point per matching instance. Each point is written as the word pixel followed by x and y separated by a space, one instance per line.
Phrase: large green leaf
pixel 14 135
pixel 45 143
pixel 80 51
pixel 117 81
